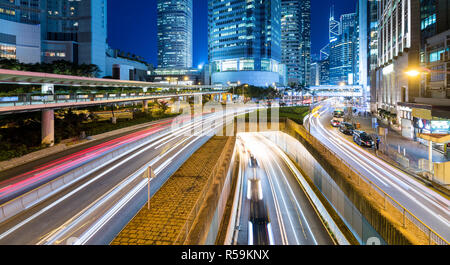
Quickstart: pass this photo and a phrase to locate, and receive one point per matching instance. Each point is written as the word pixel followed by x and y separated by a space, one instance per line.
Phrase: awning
pixel 435 138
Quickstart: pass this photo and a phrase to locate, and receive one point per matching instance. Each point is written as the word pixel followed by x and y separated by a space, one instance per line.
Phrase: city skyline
pixel 269 144
pixel 126 33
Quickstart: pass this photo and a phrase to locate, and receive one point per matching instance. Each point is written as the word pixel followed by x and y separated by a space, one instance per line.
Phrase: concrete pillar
pixel 198 100
pixel 48 127
pixel 430 155
pixel 145 105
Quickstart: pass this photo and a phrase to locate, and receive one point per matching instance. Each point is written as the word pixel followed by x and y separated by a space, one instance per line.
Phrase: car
pixel 335 122
pixel 338 113
pixel 363 139
pixel 253 162
pixel 346 128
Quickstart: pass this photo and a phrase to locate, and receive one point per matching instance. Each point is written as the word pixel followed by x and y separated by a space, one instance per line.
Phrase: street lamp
pixel 243 93
pixel 415 72
pixel 412 73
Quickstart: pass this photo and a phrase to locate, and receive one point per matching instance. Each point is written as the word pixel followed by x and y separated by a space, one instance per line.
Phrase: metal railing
pixel 31 99
pixel 385 201
pixel 184 232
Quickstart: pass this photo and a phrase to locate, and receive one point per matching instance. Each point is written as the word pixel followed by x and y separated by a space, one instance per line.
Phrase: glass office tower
pixel 69 30
pixel 296 40
pixel 245 41
pixel 175 33
pixel 344 51
pixel 75 31
pixel 20 30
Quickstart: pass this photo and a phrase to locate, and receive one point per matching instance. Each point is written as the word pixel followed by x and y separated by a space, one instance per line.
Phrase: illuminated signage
pixel 440 127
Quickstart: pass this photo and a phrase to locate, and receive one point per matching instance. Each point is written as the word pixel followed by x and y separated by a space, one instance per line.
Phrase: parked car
pixel 336 122
pixel 363 139
pixel 346 128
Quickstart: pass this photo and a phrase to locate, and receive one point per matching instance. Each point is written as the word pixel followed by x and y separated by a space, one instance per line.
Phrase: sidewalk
pixel 414 150
pixel 413 156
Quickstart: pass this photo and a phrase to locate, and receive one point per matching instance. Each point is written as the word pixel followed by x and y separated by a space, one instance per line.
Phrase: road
pixel 273 208
pixel 427 205
pixel 94 209
pixel 19 180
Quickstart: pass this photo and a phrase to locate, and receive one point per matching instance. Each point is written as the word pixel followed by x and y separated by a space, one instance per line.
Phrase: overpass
pixel 336 91
pixel 47 101
pixel 48 81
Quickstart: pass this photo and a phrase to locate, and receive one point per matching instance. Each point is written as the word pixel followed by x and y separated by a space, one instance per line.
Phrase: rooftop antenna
pixel 332 11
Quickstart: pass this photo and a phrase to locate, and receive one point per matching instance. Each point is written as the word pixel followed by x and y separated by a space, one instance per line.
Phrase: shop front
pixel 423 126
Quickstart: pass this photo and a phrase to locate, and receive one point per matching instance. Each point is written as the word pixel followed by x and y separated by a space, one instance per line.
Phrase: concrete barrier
pixel 206 218
pixel 442 173
pixel 224 189
pixel 231 228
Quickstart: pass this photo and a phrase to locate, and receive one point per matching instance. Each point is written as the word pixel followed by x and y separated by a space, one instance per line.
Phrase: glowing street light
pixel 412 73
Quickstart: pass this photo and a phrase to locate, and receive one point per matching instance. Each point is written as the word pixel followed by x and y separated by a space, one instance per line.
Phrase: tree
pixel 56 67
pixel 302 88
pixel 163 105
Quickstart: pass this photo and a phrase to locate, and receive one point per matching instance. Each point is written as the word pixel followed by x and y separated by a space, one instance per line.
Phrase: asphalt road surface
pixel 274 210
pixel 427 205
pixel 94 209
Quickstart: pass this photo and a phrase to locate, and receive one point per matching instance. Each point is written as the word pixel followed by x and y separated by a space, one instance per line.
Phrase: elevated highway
pixel 47 101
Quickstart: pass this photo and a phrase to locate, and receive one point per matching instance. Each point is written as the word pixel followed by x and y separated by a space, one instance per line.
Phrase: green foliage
pixel 296 113
pixel 256 92
pixel 20 134
pixel 163 105
pixel 57 67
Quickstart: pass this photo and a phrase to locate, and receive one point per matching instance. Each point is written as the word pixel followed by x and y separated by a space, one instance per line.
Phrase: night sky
pixel 132 26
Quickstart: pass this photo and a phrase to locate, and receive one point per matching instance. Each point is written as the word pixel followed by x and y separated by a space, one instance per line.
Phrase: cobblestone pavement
pixel 171 205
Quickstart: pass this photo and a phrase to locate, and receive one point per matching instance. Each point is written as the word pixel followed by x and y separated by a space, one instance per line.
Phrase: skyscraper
pixel 20 30
pixel 75 31
pixel 334 27
pixel 26 12
pixel 244 41
pixel 175 22
pixel 344 51
pixel 368 43
pixel 398 50
pixel 412 35
pixel 296 39
pixel 69 30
